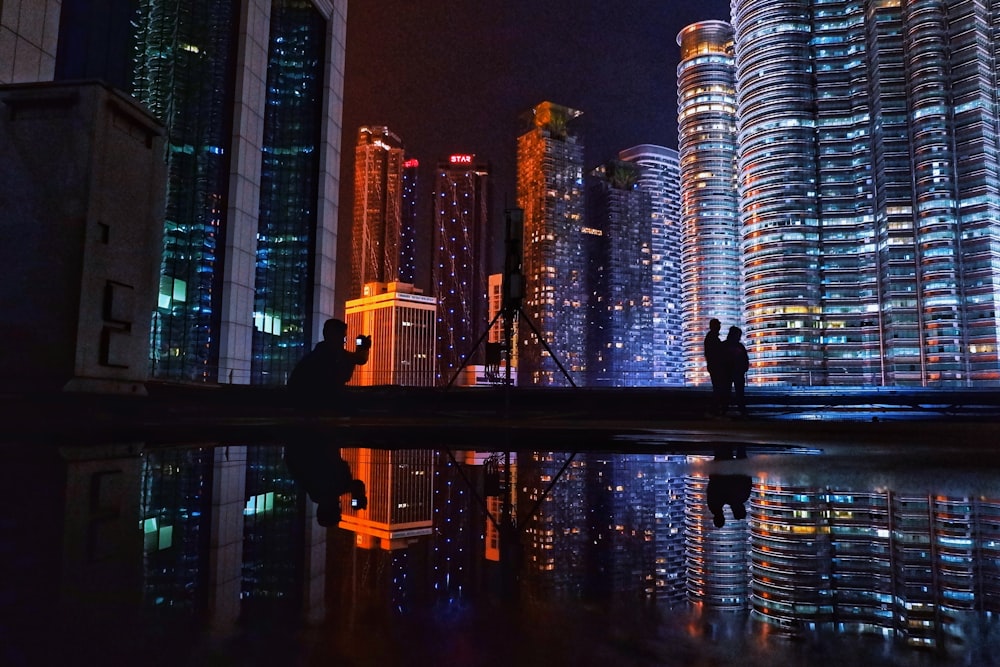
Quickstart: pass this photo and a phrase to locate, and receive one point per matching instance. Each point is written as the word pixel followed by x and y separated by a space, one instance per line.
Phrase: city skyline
pixel 455 79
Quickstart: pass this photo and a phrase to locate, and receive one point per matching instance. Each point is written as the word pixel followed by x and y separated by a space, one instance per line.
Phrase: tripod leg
pixel 468 355
pixel 548 349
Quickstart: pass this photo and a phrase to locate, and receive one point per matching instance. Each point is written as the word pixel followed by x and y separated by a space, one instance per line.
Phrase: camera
pixel 359 341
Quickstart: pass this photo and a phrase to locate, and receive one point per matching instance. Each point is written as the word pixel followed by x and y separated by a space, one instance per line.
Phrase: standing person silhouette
pixel 737 363
pixel 314 461
pixel 716 367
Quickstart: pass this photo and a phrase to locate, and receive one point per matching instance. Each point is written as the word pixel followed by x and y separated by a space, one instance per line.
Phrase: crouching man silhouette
pixel 314 461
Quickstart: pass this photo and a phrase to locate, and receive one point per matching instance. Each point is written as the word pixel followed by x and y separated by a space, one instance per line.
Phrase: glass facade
pixel 660 177
pixel 185 59
pixel 459 260
pixel 711 272
pixel 289 190
pixel 869 191
pixel 620 281
pixel 550 191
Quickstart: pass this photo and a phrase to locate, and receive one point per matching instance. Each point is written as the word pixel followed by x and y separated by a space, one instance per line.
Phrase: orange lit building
pixel 399 486
pixel 401 322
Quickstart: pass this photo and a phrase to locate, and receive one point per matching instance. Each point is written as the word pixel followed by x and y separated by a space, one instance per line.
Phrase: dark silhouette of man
pixel 314 461
pixel 716 367
pixel 736 362
pixel 317 380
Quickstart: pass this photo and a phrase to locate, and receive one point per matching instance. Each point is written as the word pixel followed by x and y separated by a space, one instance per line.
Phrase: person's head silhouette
pixel 714 325
pixel 335 331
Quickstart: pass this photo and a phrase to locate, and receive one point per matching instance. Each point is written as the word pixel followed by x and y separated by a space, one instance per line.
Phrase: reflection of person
pixel 715 365
pixel 736 362
pixel 732 490
pixel 318 377
pixel 316 464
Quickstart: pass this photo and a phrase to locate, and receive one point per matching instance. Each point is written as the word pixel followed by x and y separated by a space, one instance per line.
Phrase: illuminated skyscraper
pixel 458 267
pixel 711 283
pixel 376 237
pixel 249 94
pixel 550 190
pixel 660 177
pixel 620 339
pixel 870 191
pixel 400 321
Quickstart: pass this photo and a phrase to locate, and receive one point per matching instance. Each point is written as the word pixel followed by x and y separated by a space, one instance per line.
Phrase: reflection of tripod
pixel 513 295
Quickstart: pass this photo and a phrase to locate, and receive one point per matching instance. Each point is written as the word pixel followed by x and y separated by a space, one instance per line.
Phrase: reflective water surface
pixel 712 554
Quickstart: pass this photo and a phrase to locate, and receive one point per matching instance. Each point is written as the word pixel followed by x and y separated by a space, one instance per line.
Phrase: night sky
pixel 453 76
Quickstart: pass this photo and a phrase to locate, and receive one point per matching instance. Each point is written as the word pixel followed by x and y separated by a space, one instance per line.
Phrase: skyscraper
pixel 550 190
pixel 621 281
pixel 376 237
pixel 249 94
pixel 660 177
pixel 458 267
pixel 870 191
pixel 711 282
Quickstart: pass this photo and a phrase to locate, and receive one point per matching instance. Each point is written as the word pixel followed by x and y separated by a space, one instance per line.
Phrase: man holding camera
pixel 317 382
pixel 317 379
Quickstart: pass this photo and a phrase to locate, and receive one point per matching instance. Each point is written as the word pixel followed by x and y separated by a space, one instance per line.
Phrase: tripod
pixel 513 295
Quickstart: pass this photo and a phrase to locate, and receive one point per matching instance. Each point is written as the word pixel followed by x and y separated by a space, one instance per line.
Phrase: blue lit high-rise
pixel 621 281
pixel 870 191
pixel 660 177
pixel 458 261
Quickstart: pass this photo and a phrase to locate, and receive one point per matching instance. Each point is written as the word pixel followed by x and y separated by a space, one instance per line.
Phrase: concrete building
pixel 83 196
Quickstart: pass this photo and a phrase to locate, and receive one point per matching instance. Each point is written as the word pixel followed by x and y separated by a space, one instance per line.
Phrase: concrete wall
pixel 82 167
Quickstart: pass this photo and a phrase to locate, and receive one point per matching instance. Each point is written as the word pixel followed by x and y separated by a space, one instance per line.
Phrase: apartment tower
pixel 660 177
pixel 711 280
pixel 869 191
pixel 550 191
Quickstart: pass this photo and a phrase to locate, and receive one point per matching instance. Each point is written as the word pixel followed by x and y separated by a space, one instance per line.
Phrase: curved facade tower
pixel 778 191
pixel 660 177
pixel 711 280
pixel 869 191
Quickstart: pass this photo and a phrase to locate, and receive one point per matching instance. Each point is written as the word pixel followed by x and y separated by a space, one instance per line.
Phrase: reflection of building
pixel 660 177
pixel 718 572
pixel 399 486
pixel 400 321
pixel 377 236
pixel 912 566
pixel 668 512
pixel 458 266
pixel 869 170
pixel 710 243
pixel 620 278
pixel 550 191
